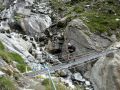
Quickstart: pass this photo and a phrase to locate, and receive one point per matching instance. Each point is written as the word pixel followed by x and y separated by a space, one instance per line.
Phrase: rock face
pixel 4 26
pixel 35 24
pixel 32 20
pixel 6 2
pixel 15 43
pixel 78 35
pixel 105 74
pixel 75 32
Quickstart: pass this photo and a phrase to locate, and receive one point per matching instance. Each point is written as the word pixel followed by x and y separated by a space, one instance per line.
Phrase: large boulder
pixel 105 74
pixel 35 24
pixel 79 35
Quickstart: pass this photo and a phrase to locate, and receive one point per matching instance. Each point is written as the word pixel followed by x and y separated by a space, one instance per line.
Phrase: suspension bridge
pixel 76 60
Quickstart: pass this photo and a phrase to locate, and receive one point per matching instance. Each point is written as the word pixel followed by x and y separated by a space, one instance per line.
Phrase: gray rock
pixel 8 13
pixel 78 77
pixel 7 3
pixel 105 73
pixel 75 34
pixel 2 74
pixel 63 73
pixel 79 35
pixel 31 23
pixel 23 11
pixel 18 45
pixel 113 37
pixel 30 2
pixel 35 24
pixel 87 83
pixel 2 63
pixel 4 26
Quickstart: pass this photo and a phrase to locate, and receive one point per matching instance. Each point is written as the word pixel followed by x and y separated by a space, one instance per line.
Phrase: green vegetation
pixel 11 56
pixel 45 82
pixel 79 87
pixel 48 84
pixel 2 7
pixel 98 22
pixel 102 17
pixel 40 77
pixel 16 58
pixel 78 9
pixel 22 67
pixel 6 84
pixel 18 17
pixel 5 56
pixel 99 16
pixel 1 46
pixel 56 4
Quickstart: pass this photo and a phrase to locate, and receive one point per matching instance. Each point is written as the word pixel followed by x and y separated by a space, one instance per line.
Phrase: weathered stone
pixel 79 35
pixel 78 77
pixel 18 45
pixel 35 24
pixel 63 73
pixel 2 74
pixel 105 73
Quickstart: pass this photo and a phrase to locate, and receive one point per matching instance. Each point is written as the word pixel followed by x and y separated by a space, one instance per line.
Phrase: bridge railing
pixel 90 57
pixel 72 56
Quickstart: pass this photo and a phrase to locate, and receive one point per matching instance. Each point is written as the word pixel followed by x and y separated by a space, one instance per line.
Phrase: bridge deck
pixel 78 60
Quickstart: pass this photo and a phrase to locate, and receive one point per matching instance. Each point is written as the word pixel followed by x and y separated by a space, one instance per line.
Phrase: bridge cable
pixel 53 84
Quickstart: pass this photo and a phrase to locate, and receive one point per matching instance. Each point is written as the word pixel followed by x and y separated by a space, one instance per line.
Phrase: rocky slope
pixel 38 32
pixel 105 72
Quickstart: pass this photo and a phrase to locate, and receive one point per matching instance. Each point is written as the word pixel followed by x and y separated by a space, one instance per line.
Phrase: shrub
pixel 16 57
pixel 57 5
pixel 5 56
pixel 45 82
pixel 79 87
pixel 17 17
pixel 2 7
pixel 48 84
pixel 78 9
pixel 21 67
pixel 1 46
pixel 6 84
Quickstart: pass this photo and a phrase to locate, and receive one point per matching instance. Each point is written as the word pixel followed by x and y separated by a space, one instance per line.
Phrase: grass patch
pixel 16 57
pixel 21 67
pixel 9 57
pixel 56 4
pixel 5 56
pixel 79 87
pixel 48 85
pixel 99 16
pixel 40 77
pixel 6 84
pixel 1 46
pixel 78 9
pixel 2 7
pixel 18 17
pixel 98 22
